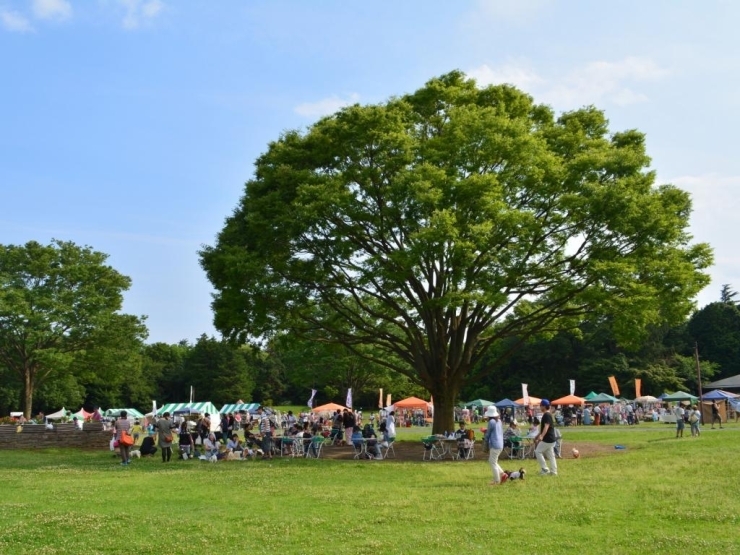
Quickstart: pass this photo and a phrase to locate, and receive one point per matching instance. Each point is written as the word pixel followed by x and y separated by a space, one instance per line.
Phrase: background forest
pixel 285 370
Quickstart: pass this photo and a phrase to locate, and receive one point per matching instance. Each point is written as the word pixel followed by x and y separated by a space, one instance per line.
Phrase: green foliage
pixel 59 305
pixel 218 372
pixel 716 330
pixel 448 221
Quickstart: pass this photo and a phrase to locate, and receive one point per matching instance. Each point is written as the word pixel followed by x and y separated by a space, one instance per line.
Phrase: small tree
pixel 54 302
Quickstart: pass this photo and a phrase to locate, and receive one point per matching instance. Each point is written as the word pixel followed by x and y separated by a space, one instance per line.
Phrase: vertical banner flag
pixel 310 401
pixel 525 394
pixel 388 400
pixel 380 399
pixel 572 387
pixel 349 398
pixel 638 387
pixel 154 406
pixel 615 387
pixel 191 393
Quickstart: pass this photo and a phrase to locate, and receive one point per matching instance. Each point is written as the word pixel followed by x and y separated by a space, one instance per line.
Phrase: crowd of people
pixel 302 434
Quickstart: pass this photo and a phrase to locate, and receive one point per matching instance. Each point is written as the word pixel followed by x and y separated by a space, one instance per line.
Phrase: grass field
pixel 659 495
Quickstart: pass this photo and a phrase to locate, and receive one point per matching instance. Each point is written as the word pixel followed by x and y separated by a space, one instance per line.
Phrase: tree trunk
pixel 27 392
pixel 444 406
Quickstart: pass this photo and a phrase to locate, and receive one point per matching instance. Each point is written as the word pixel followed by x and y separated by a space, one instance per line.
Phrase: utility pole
pixel 698 377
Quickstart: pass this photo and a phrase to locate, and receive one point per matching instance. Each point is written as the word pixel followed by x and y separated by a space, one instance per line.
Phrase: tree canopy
pixel 441 223
pixel 59 308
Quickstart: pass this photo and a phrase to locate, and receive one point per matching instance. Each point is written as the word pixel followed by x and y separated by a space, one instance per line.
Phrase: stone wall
pixel 38 437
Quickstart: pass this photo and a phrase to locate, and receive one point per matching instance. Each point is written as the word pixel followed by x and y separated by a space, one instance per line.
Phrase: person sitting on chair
pixel 357 439
pixel 463 437
pixel 371 440
pixel 511 436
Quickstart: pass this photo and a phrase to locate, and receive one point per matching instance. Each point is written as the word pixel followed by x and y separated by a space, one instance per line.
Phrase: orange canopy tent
pixel 412 403
pixel 568 400
pixel 328 407
pixel 533 401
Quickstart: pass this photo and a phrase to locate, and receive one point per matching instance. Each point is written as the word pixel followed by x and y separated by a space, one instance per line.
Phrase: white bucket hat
pixel 491 412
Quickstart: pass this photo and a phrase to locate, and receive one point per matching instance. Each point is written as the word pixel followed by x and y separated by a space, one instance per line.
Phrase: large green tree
pixel 440 223
pixel 56 303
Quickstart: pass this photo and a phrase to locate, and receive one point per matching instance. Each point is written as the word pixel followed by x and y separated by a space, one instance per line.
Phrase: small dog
pixel 136 453
pixel 515 474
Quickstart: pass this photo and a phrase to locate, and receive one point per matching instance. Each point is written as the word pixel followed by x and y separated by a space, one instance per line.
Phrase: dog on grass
pixel 515 474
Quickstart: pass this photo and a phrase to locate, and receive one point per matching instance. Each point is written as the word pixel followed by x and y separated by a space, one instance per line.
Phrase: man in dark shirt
pixel 546 442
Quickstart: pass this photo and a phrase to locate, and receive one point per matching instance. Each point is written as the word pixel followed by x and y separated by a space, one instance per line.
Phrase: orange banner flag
pixel 615 387
pixel 638 388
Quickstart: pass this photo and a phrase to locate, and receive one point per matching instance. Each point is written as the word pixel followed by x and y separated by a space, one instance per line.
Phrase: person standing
pixel 545 441
pixel 494 438
pixel 265 428
pixel 390 426
pixel 680 425
pixel 164 433
pixel 694 419
pixel 123 425
pixel 348 420
pixel 715 415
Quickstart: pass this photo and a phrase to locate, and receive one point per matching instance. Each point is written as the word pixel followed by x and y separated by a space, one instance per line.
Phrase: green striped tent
pixel 239 407
pixel 130 413
pixel 202 408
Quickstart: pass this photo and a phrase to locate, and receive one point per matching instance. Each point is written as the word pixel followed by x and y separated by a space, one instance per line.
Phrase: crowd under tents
pixel 202 408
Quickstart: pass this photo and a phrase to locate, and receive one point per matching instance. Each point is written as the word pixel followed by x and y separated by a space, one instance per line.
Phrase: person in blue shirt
pixel 494 439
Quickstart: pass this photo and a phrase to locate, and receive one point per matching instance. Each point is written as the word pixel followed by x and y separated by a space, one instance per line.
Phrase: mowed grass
pixel 659 495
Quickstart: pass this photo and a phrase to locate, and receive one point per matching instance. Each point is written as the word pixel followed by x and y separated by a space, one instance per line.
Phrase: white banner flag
pixel 349 398
pixel 380 399
pixel 154 406
pixel 310 401
pixel 525 395
pixel 572 387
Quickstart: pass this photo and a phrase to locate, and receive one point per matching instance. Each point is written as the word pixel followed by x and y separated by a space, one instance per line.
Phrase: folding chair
pixel 465 449
pixel 386 449
pixel 431 448
pixel 359 449
pixel 314 449
pixel 514 447
pixel 335 436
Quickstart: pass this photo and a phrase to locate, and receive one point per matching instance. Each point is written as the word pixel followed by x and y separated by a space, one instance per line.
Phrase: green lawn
pixel 659 495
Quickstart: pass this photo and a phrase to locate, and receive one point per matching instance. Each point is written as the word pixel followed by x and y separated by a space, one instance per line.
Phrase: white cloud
pixel 593 83
pixel 140 12
pixel 13 21
pixel 52 9
pixel 521 77
pixel 325 106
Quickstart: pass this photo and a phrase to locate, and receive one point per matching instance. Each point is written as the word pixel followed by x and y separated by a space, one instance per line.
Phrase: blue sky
pixel 132 125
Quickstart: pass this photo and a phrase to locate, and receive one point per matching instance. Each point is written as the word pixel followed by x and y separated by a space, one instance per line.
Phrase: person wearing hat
pixel 546 442
pixel 494 438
